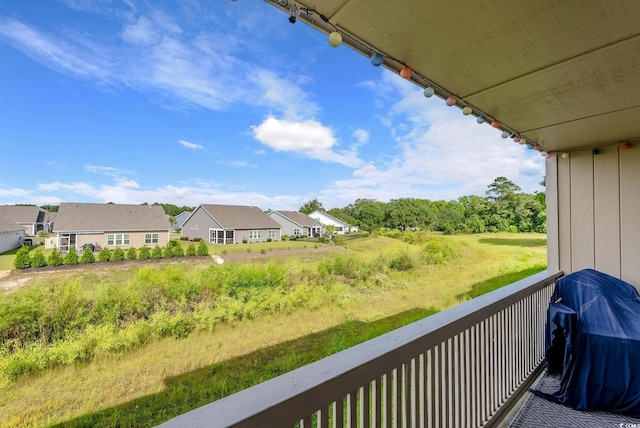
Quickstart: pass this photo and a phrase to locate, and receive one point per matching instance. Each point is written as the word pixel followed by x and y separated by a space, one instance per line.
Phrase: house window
pixel 272 234
pixel 151 238
pixel 118 239
pixel 296 232
pixel 254 234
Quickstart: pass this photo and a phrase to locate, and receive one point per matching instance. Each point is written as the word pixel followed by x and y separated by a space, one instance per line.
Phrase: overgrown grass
pixel 188 362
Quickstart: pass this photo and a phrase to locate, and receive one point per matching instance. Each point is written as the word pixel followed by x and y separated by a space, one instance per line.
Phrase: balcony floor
pixel 534 411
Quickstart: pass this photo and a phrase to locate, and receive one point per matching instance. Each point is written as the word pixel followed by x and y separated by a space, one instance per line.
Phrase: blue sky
pixel 189 102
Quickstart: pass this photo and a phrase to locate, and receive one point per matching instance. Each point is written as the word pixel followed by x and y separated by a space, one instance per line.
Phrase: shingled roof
pixel 7 225
pixel 77 217
pixel 23 213
pixel 240 217
pixel 298 218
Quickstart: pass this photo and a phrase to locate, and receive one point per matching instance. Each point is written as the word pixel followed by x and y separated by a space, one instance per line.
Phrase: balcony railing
pixel 457 368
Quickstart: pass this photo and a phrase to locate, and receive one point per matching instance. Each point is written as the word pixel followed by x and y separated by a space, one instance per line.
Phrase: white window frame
pixel 151 238
pixel 272 233
pixel 254 234
pixel 118 239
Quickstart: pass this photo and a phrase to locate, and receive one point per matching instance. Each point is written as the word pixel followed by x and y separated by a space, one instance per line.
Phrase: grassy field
pixel 146 385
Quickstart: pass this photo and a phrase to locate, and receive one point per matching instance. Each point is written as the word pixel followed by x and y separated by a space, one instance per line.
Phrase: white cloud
pixel 192 146
pixel 283 95
pixel 140 33
pixel 361 135
pixel 308 138
pixel 441 154
pixel 66 57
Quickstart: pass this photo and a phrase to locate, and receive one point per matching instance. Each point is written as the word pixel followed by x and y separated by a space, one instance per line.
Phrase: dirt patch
pixel 14 279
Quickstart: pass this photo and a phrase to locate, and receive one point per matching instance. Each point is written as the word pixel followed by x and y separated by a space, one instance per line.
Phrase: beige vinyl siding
pixel 136 239
pixel 593 213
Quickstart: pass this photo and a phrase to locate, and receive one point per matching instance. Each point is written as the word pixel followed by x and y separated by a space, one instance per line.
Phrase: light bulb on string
pixel 335 39
pixel 495 123
pixel 429 91
pixel 626 145
pixel 505 134
pixel 481 119
pixel 377 59
pixel 467 111
pixel 451 100
pixel 517 138
pixel 406 72
pixel 565 155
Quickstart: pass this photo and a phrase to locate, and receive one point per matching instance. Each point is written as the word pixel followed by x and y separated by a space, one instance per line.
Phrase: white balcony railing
pixel 458 368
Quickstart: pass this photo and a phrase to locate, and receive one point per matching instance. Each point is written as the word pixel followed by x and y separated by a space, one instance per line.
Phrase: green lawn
pixel 155 380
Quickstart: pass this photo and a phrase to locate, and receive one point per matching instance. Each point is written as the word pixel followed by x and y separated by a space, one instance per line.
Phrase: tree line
pixel 505 208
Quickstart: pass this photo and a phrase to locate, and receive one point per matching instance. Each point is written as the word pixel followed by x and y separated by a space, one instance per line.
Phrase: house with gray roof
pixel 111 226
pixel 31 218
pixel 230 224
pixel 11 235
pixel 295 223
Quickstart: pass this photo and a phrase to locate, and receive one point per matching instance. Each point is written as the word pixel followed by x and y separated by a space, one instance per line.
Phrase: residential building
pixel 110 226
pixel 31 218
pixel 230 224
pixel 339 226
pixel 295 223
pixel 12 235
pixel 179 220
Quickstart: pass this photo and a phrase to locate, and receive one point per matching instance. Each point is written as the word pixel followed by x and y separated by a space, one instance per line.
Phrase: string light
pixel 377 59
pixel 336 36
pixel 406 72
pixel 335 39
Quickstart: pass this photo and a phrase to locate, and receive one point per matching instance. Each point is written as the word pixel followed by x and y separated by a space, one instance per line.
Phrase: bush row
pixel 27 259
pixel 49 324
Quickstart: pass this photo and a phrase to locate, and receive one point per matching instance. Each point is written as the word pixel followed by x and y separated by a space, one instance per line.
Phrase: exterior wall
pixel 198 225
pixel 242 234
pixel 11 239
pixel 287 226
pixel 593 203
pixel 136 239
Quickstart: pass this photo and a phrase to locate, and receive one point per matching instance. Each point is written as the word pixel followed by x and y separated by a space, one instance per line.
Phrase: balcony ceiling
pixel 564 74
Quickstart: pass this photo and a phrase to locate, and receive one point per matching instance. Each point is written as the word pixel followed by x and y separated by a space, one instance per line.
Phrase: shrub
pixel 87 256
pixel 202 250
pixel 38 259
pixel 156 253
pixel 401 261
pixel 144 253
pixel 72 257
pixel 184 238
pixel 438 251
pixel 23 259
pixel 118 254
pixel 104 255
pixel 55 258
pixel 191 250
pixel 131 254
pixel 178 251
pixel 197 239
pixel 167 252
